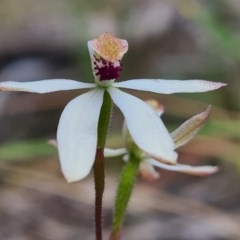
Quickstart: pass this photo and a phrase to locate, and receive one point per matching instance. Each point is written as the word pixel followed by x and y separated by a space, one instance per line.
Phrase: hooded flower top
pixel 77 129
pixel 106 53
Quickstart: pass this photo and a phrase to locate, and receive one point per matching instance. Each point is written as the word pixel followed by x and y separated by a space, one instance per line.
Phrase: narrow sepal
pixel 44 86
pixel 187 169
pixel 190 128
pixel 170 86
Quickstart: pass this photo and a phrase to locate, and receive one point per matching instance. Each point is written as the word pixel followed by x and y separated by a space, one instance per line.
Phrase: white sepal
pixel 169 86
pixel 183 168
pixel 145 127
pixel 45 86
pixel 77 134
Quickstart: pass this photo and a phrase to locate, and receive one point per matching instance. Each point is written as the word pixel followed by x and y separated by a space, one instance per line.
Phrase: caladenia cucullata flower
pixel 77 132
pixel 83 124
pixel 139 161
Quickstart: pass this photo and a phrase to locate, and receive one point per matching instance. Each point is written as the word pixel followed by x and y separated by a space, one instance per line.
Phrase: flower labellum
pixel 106 53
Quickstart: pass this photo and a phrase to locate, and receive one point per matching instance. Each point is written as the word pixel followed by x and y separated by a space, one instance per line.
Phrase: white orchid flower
pixel 181 136
pixel 77 129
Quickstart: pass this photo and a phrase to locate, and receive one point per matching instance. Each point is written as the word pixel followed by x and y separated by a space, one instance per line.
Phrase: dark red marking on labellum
pixel 106 70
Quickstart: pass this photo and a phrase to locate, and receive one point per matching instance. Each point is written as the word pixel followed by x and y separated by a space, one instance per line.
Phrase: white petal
pixel 146 128
pixel 148 172
pixel 77 134
pixel 108 152
pixel 192 170
pixel 169 86
pixel 44 86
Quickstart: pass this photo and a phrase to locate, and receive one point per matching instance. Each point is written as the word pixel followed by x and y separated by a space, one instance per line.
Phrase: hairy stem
pixel 99 174
pixel 125 187
pixel 98 168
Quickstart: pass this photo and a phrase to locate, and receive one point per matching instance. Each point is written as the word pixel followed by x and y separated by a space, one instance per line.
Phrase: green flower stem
pixel 125 187
pixel 104 120
pixel 98 168
pixel 99 174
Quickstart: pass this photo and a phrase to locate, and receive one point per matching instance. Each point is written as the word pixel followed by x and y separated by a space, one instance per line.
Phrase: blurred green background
pixel 174 39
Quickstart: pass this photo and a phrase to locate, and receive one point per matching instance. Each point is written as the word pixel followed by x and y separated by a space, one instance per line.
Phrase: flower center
pixel 106 70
